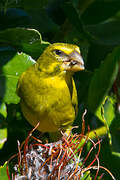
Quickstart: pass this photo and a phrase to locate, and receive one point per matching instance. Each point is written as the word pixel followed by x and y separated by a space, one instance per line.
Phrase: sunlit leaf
pixel 117 154
pixel 12 64
pixel 3 110
pixel 3 137
pixel 109 111
pixel 3 173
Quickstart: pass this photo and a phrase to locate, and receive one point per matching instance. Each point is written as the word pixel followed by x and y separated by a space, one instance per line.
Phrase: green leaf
pixel 117 154
pixel 12 64
pixel 3 137
pixel 106 33
pixel 19 36
pixel 100 11
pixel 24 39
pixel 106 111
pixel 86 176
pixel 115 131
pixel 73 16
pixel 109 111
pixel 3 173
pixel 116 144
pixel 3 109
pixel 99 114
pixel 103 79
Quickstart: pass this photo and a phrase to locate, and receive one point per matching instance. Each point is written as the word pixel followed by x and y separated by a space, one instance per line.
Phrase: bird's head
pixel 66 57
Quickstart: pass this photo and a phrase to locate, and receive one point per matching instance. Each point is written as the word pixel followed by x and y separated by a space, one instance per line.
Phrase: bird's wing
pixel 74 98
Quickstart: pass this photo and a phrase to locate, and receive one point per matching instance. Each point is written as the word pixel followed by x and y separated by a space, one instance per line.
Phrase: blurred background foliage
pixel 26 28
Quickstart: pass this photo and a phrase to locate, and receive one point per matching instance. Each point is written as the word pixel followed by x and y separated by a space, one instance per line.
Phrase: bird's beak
pixel 74 62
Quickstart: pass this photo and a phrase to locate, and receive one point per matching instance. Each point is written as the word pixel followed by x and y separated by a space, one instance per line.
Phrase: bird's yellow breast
pixel 47 100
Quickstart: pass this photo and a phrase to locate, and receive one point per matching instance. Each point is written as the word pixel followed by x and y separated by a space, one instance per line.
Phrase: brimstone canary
pixel 47 90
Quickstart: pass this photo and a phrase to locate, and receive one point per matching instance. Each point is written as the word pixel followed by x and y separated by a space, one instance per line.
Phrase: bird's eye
pixel 58 52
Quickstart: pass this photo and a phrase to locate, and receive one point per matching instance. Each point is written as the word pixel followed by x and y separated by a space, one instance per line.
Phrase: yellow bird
pixel 47 89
